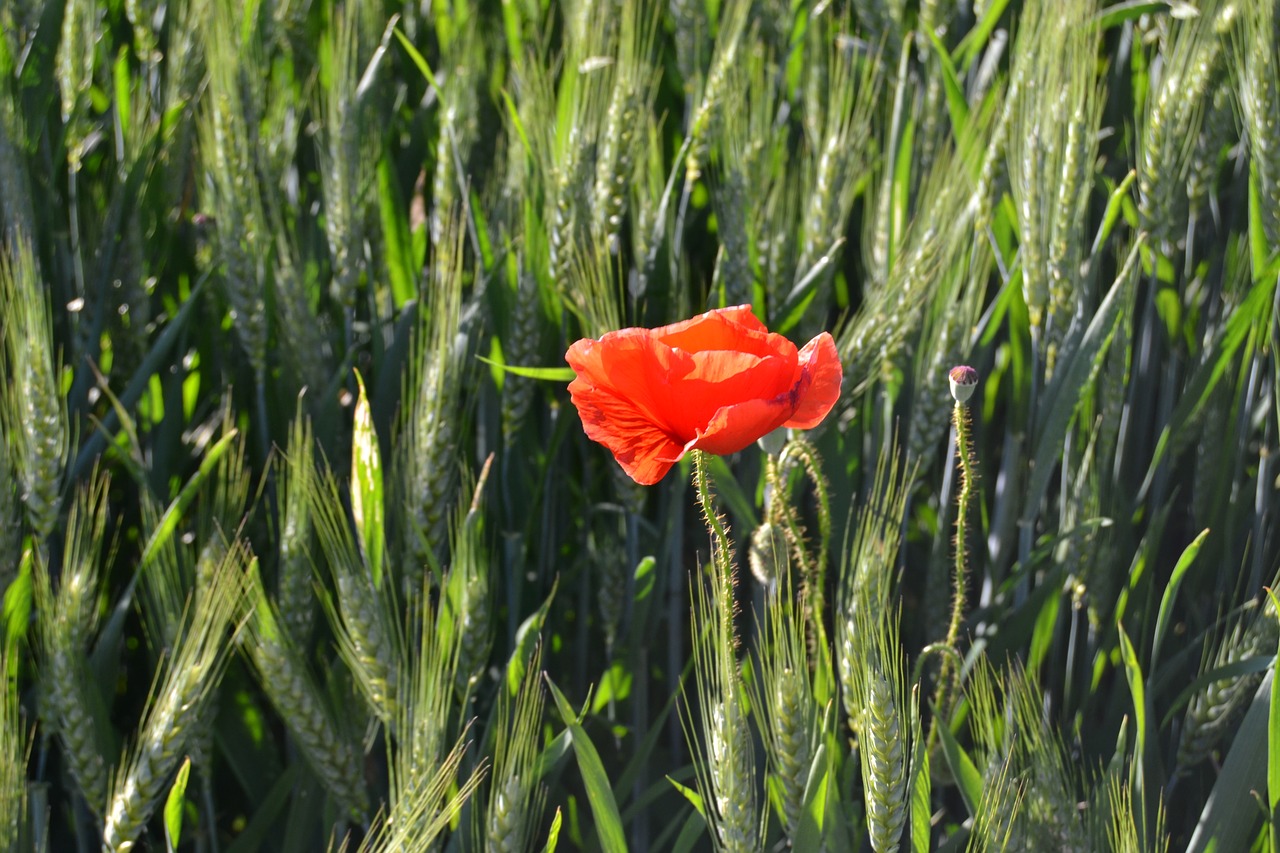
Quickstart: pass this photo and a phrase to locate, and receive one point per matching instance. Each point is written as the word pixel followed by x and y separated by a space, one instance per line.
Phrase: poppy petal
pixel 823 373
pixel 738 426
pixel 719 379
pixel 735 329
pixel 631 365
pixel 643 449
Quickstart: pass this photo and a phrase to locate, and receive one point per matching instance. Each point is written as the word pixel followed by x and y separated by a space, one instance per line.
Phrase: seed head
pixel 963 380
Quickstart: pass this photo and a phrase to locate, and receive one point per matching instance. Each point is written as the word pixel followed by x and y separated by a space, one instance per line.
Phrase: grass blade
pixel 604 807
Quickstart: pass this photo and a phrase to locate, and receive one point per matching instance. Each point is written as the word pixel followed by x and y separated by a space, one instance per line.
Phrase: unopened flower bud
pixel 963 380
pixel 773 442
pixel 768 553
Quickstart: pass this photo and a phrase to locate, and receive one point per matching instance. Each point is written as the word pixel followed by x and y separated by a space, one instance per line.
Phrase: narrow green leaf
pixel 975 40
pixel 919 783
pixel 177 510
pixel 957 106
pixel 418 60
pixel 1259 245
pixel 17 602
pixel 691 795
pixel 604 808
pixel 120 78
pixel 553 834
pixel 1141 719
pixel 173 806
pixel 813 805
pixel 526 641
pixel 1273 751
pixel 1131 10
pixel 1115 204
pixel 548 374
pixel 366 485
pixel 900 207
pixel 1042 635
pixel 395 234
pixel 966 774
pixel 1065 392
pixel 1170 596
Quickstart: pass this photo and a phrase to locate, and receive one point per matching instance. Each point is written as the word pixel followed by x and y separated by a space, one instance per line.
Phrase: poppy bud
pixel 773 442
pixel 767 556
pixel 963 380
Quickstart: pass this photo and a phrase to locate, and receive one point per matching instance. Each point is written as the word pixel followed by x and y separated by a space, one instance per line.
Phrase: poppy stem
pixel 722 558
pixel 968 474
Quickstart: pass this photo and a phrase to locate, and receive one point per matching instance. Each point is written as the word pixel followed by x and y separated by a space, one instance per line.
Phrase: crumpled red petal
pixel 823 374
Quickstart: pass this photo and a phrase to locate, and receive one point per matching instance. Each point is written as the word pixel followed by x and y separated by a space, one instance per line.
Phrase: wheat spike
pixel 66 627
pixel 515 796
pixel 175 708
pixel 32 408
pixel 1216 710
pixel 291 688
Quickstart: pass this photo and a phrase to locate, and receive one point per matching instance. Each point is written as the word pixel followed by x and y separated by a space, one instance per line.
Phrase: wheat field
pixel 303 546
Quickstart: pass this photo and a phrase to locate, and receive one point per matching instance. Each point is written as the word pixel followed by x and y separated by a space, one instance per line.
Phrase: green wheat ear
pixel 882 712
pixel 516 795
pixel 467 595
pixel 295 579
pixel 362 615
pixel 433 423
pixel 32 409
pixel 425 758
pixel 288 682
pixel 67 622
pixel 1257 65
pixel 783 695
pixel 174 710
pixel 1215 711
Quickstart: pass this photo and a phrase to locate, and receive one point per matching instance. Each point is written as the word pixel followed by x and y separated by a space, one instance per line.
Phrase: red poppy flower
pixel 716 383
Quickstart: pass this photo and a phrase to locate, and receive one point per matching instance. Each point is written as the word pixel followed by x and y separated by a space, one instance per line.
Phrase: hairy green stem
pixel 723 556
pixel 949 673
